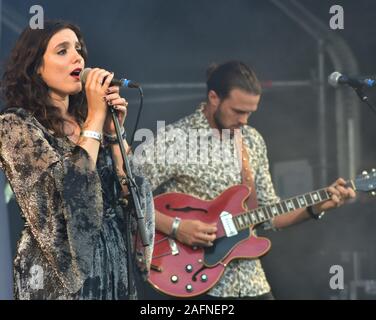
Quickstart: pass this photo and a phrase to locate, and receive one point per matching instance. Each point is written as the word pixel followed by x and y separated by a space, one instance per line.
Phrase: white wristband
pixel 92 134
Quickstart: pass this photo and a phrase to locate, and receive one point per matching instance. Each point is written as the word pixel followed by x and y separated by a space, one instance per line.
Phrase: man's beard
pixel 217 120
pixel 221 126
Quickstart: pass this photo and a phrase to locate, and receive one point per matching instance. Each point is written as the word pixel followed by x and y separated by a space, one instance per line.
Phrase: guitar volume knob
pixel 189 268
pixel 189 288
pixel 174 279
pixel 204 278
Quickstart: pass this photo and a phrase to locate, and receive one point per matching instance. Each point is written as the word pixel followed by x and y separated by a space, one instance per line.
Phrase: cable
pixel 138 115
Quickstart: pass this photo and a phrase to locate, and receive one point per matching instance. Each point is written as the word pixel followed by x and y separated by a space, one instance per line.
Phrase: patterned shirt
pixel 174 163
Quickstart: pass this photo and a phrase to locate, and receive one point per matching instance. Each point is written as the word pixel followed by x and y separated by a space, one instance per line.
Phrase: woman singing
pixel 59 151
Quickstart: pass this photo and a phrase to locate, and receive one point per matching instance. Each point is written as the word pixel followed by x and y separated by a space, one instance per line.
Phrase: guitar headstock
pixel 366 182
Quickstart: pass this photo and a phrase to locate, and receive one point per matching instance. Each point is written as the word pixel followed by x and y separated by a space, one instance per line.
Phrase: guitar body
pixel 184 271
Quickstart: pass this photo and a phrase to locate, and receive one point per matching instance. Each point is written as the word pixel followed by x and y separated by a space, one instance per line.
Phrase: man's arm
pixel 340 195
pixel 190 232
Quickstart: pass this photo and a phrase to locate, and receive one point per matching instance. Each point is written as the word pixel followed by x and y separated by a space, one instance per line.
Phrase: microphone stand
pixel 364 98
pixel 130 182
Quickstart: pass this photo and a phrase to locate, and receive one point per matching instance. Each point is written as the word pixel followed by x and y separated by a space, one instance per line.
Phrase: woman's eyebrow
pixel 66 44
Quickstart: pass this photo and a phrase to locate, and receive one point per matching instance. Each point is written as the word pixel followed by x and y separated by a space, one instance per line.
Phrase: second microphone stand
pixel 364 98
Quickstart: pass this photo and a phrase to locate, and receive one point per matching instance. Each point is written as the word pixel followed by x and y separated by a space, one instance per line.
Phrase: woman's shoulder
pixel 19 123
pixel 16 114
pixel 20 117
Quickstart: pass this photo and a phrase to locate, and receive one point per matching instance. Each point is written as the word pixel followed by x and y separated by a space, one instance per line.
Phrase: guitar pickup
pixel 228 224
pixel 173 246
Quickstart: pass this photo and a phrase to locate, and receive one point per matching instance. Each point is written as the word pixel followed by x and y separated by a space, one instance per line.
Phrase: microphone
pixel 336 79
pixel 114 82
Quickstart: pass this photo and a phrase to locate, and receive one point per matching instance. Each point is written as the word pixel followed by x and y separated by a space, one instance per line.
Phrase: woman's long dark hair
pixel 24 88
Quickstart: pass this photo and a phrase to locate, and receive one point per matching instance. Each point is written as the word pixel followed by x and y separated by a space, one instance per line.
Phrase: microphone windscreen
pixel 83 74
pixel 333 78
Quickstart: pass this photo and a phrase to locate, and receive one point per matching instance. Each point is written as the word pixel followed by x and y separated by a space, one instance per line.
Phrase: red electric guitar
pixel 183 271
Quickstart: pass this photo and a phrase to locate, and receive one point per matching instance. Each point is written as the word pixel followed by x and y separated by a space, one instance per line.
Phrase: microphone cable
pixel 141 92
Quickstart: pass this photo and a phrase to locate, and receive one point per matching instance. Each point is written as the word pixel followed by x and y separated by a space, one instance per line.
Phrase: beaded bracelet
pixel 112 139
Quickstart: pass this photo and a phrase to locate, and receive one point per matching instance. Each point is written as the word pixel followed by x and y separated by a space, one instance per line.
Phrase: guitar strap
pixel 247 177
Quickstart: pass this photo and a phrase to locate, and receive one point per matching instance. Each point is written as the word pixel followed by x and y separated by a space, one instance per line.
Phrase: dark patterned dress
pixel 73 245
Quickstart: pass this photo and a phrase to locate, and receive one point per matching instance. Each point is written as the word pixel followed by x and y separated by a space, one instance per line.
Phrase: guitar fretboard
pixel 262 214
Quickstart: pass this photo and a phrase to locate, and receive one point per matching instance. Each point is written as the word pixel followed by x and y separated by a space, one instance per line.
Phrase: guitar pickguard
pixel 222 247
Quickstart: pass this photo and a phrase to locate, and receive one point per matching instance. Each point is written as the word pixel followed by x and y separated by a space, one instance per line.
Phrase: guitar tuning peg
pixel 364 173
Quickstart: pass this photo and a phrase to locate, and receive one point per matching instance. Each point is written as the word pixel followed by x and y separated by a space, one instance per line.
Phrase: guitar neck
pixel 262 214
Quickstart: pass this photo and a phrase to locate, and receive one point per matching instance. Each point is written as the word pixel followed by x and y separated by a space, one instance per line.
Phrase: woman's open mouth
pixel 76 73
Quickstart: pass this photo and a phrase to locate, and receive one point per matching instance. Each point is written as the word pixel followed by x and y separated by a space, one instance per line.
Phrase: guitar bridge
pixel 228 224
pixel 173 246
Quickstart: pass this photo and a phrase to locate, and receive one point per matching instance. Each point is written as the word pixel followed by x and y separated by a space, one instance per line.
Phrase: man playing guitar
pixel 233 94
